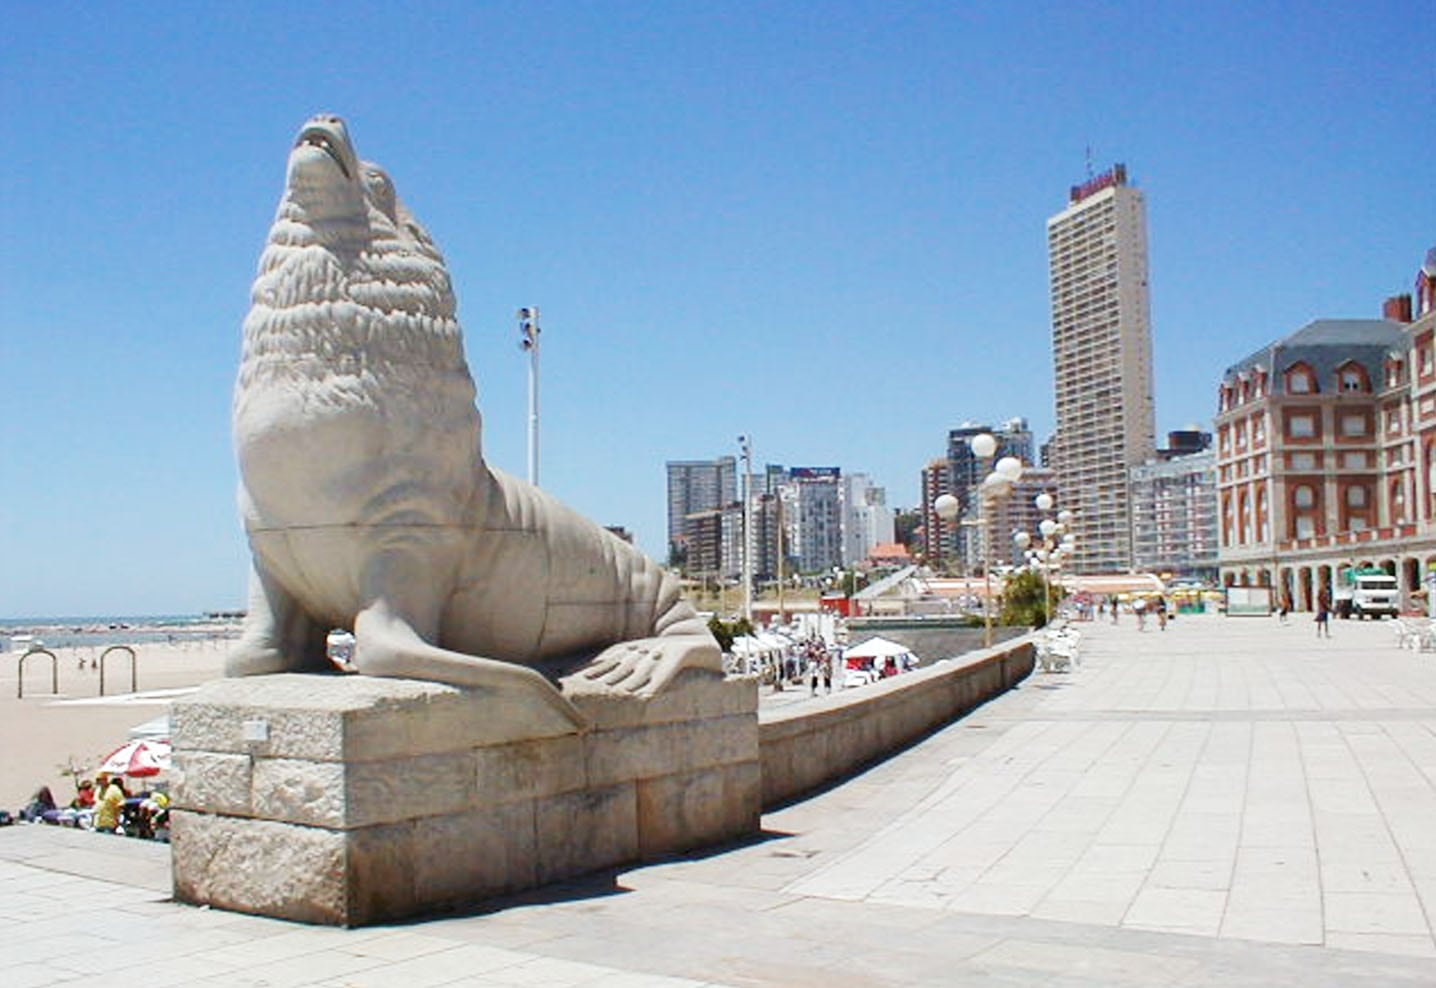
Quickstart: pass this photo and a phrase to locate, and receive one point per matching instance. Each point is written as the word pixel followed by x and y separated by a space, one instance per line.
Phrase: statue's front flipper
pixel 277 637
pixel 387 644
pixel 645 666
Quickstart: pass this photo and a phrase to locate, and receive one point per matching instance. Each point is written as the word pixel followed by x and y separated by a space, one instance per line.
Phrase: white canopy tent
pixel 876 648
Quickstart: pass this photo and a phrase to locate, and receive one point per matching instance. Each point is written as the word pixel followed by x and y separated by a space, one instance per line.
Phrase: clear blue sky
pixel 821 224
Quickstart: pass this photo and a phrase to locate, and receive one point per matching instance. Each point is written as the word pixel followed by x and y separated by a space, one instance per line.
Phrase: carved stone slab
pixel 350 800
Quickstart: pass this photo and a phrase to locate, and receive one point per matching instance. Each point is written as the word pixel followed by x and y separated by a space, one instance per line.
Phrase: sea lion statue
pixel 364 494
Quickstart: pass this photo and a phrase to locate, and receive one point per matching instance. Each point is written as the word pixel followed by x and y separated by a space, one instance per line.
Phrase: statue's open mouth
pixel 324 140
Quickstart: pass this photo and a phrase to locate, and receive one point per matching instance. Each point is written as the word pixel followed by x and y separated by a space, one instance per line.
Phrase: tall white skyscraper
pixel 1102 356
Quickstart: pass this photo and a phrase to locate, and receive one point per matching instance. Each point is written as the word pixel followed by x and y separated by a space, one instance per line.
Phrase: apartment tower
pixel 1102 356
pixel 696 487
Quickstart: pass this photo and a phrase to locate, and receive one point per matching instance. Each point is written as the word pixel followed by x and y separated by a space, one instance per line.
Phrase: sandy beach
pixel 45 731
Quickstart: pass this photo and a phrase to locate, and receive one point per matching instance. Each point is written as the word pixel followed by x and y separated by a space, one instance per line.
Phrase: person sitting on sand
pixel 84 796
pixel 152 813
pixel 40 804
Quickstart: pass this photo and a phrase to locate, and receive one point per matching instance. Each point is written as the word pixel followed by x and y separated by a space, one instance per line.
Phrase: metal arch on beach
pixel 54 670
pixel 134 688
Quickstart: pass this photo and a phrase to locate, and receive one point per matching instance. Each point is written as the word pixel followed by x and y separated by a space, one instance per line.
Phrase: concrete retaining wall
pixel 804 747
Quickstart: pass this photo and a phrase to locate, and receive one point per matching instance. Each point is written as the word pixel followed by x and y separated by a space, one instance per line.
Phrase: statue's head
pixel 353 298
pixel 325 180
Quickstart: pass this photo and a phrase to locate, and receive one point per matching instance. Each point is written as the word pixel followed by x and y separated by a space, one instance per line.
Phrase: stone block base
pixel 349 800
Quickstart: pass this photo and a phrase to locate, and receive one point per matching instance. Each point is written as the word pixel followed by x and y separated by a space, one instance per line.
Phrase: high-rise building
pixel 937 535
pixel 1015 512
pixel 962 544
pixel 867 520
pixel 1102 356
pixel 812 517
pixel 694 487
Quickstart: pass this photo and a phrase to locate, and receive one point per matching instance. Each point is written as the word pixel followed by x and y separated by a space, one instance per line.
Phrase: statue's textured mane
pixel 354 306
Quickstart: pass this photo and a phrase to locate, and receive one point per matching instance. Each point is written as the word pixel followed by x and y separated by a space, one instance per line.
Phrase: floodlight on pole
pixel 529 340
pixel 746 447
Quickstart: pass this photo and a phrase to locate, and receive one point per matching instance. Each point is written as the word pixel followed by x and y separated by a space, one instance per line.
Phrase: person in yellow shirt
pixel 109 805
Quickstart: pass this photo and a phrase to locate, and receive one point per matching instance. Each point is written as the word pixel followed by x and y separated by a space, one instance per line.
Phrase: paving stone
pixel 1274 805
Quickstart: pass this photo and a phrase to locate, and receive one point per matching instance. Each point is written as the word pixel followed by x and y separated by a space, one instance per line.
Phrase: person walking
pixel 1323 614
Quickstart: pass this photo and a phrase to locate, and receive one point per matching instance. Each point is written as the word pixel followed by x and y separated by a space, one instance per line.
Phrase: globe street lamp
pixel 995 484
pixel 946 507
pixel 1056 545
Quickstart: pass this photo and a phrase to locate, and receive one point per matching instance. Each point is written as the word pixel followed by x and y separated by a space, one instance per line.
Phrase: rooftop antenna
pixel 1089 163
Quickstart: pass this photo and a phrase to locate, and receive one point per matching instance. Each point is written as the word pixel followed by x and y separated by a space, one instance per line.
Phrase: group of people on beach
pixel 106 806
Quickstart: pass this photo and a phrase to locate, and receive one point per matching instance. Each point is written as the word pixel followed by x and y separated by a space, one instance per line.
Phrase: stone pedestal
pixel 349 800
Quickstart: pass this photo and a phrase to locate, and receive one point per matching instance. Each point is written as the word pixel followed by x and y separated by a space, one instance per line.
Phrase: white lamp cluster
pixel 997 483
pixel 1056 544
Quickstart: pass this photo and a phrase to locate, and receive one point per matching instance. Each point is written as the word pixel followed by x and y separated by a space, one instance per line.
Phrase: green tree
pixel 905 528
pixel 726 631
pixel 1022 600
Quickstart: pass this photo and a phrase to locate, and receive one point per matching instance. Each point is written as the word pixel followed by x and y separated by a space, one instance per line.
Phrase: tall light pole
pixel 746 446
pixel 529 340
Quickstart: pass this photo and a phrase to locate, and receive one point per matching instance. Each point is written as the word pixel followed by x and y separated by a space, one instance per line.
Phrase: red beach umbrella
pixel 137 758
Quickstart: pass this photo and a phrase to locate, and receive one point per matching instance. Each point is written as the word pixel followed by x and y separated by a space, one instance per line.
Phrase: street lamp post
pixel 1057 543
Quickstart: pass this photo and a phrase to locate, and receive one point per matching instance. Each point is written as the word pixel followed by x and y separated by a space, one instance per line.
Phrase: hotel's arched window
pixel 1300 380
pixel 1357 498
pixel 1394 372
pixel 1303 522
pixel 1300 425
pixel 1261 515
pixel 1430 480
pixel 1352 377
pixel 1398 502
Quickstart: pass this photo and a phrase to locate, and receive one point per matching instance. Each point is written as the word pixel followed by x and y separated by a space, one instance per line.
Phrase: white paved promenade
pixel 1229 802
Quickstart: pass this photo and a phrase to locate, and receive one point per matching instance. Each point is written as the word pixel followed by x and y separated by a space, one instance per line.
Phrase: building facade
pixel 1326 454
pixel 813 518
pixel 694 488
pixel 867 520
pixel 938 537
pixel 1174 516
pixel 1102 361
pixel 961 543
pixel 1016 512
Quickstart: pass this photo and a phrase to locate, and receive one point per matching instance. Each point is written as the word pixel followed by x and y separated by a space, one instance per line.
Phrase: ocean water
pixel 68 631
